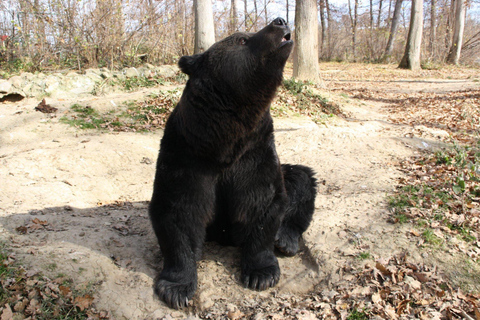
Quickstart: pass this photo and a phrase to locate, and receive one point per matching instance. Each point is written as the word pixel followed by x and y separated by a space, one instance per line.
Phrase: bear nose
pixel 279 22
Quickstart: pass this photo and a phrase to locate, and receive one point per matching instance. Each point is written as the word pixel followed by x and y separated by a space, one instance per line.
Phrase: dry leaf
pixel 7 313
pixel 83 302
pixel 65 291
pixel 382 269
pixel 376 298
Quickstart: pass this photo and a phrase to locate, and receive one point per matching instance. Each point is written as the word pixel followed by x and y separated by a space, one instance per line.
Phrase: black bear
pixel 218 176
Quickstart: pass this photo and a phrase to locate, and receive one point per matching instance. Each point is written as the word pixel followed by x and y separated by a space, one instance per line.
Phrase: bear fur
pixel 218 176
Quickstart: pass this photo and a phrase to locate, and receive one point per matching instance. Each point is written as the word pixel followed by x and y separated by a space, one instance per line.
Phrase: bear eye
pixel 242 41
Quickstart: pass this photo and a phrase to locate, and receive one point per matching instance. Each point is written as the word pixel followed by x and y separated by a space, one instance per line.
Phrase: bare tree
pixel 204 29
pixel 411 58
pixel 246 15
pixel 287 7
pixel 456 48
pixel 354 22
pixel 321 4
pixel 393 29
pixel 329 30
pixel 265 11
pixel 379 20
pixel 233 17
pixel 433 27
pixel 305 61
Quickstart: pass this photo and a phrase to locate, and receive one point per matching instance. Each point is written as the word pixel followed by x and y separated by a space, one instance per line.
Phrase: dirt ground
pixel 91 190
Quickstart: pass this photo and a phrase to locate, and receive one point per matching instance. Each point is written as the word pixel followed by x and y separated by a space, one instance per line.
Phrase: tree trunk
pixel 287 7
pixel 324 27
pixel 433 27
pixel 353 20
pixel 456 48
pixel 393 29
pixel 233 17
pixel 329 31
pixel 265 3
pixel 411 58
pixel 305 61
pixel 245 10
pixel 448 27
pixel 204 29
pixel 379 20
pixel 255 28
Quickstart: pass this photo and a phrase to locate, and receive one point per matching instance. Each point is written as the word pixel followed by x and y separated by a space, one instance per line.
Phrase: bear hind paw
pixel 287 242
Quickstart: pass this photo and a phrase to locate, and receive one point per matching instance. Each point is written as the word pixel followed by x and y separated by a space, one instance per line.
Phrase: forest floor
pixel 395 232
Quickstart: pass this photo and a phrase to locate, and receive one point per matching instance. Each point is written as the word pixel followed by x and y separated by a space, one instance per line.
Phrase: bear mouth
pixel 286 37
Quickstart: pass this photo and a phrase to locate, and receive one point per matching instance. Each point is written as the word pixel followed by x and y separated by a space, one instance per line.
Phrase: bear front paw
pixel 174 294
pixel 261 278
pixel 286 242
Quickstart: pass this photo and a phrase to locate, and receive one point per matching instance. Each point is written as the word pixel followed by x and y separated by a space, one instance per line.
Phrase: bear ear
pixel 188 64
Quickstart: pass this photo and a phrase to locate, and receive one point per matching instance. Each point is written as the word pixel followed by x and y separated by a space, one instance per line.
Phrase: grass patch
pixel 431 238
pixel 442 189
pixel 358 315
pixel 136 116
pixel 297 98
pixel 364 256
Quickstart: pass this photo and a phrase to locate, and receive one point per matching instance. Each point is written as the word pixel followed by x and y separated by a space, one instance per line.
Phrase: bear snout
pixel 279 22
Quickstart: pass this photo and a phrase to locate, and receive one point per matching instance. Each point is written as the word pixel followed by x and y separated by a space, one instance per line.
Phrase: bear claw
pixel 175 295
pixel 262 279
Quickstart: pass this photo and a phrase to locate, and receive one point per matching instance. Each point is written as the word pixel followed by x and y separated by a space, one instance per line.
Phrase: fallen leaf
pixel 376 298
pixel 7 313
pixel 83 302
pixel 382 269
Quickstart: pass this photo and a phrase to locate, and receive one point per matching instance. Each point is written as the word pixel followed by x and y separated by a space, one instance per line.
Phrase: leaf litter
pixel 28 295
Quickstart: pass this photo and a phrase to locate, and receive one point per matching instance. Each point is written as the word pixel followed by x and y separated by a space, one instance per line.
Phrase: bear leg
pixel 179 211
pixel 255 200
pixel 301 191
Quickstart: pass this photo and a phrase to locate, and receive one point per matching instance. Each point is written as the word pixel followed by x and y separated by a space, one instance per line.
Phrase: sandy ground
pixel 90 192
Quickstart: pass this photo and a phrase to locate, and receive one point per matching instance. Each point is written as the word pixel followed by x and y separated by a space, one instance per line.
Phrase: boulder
pixel 131 72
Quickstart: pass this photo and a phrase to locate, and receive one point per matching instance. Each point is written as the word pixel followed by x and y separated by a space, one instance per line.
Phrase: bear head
pixel 244 62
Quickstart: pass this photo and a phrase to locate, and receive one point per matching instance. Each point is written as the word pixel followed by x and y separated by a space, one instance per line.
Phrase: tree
pixel 204 29
pixel 354 22
pixel 393 29
pixel 305 60
pixel 411 58
pixel 433 27
pixel 323 23
pixel 456 48
pixel 233 17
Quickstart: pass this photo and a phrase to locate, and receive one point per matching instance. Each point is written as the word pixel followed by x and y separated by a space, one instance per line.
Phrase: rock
pixel 131 73
pixel 106 74
pixel 93 75
pixel 94 71
pixel 79 85
pixel 17 82
pixel 26 75
pixel 149 66
pixel 72 74
pixel 5 86
pixel 167 71
pixel 33 89
pixel 119 75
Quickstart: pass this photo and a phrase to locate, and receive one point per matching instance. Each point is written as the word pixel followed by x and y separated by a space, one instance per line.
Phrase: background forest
pixel 78 34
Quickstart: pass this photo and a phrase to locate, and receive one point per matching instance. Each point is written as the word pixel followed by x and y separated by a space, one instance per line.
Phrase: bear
pixel 218 176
